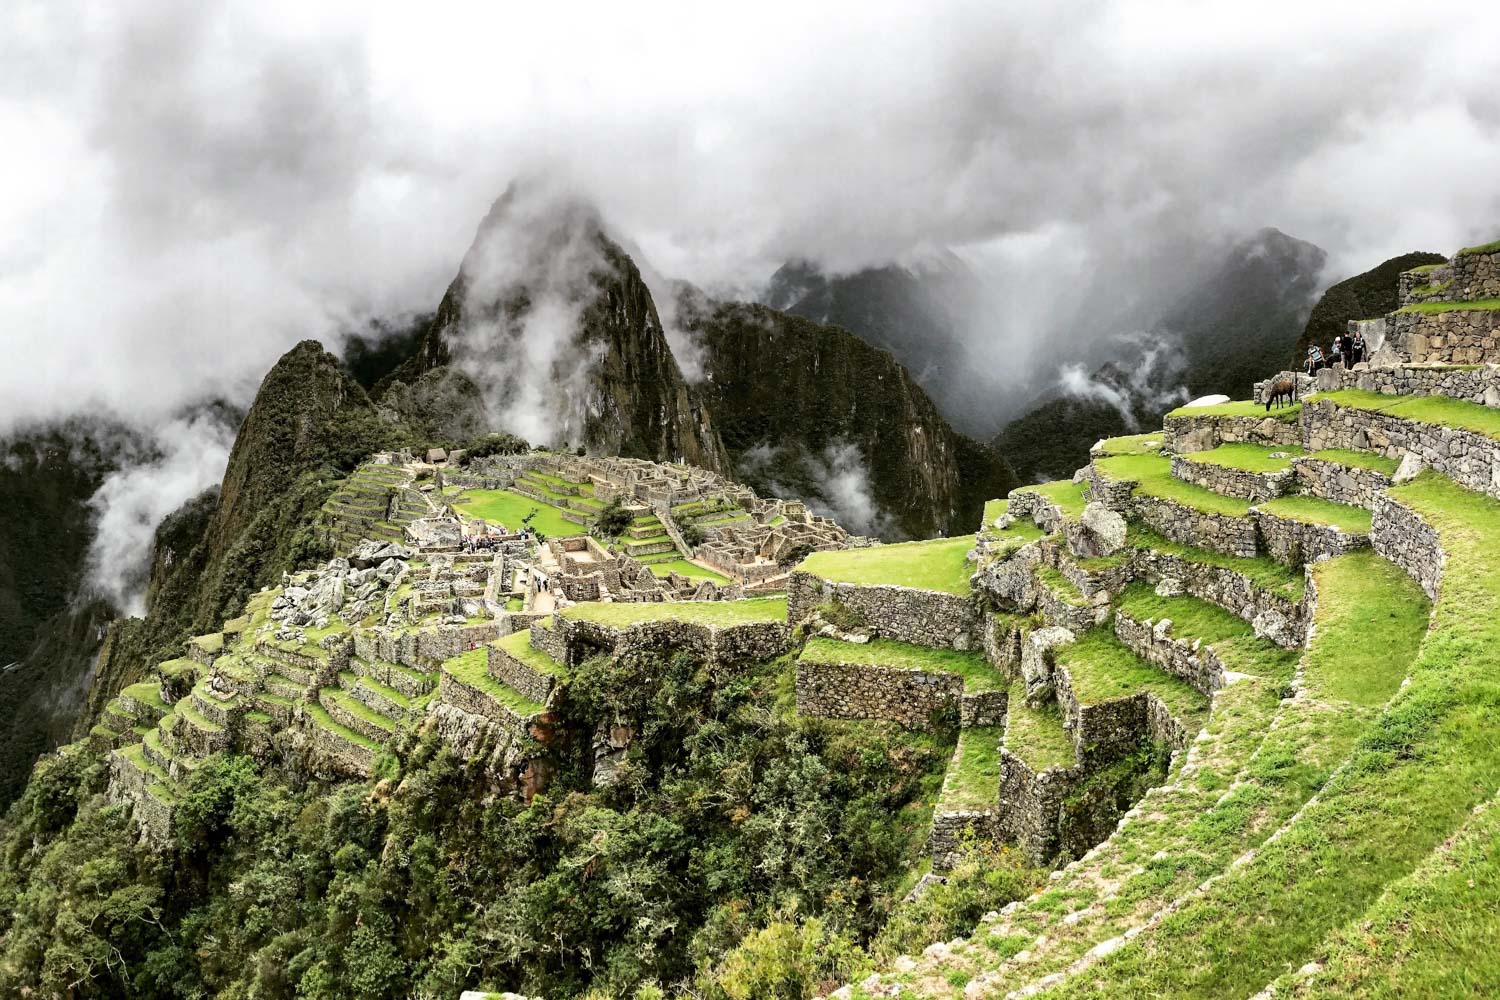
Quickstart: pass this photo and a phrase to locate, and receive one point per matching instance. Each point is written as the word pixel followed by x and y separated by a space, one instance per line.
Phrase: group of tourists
pixel 1347 350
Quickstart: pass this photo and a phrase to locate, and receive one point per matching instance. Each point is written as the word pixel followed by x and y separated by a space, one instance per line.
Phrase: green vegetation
pixel 1444 410
pixel 1230 637
pixel 518 645
pixel 690 570
pixel 973 780
pixel 977 673
pixel 1067 494
pixel 1358 460
pixel 1263 571
pixel 1153 476
pixel 1381 616
pixel 1426 268
pixel 1240 408
pixel 940 564
pixel 760 609
pixel 1442 307
pixel 1132 444
pixel 1103 668
pixel 1315 510
pixel 1061 587
pixel 472 669
pixel 511 509
pixel 1249 457
pixel 1482 248
pixel 1036 735
pixel 1434 288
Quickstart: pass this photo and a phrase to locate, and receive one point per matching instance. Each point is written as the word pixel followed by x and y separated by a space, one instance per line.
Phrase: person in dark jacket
pixel 1356 348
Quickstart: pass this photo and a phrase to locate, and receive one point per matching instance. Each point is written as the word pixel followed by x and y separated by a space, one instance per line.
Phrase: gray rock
pixel 1273 625
pixel 1107 528
pixel 1169 586
pixel 1410 468
pixel 1036 661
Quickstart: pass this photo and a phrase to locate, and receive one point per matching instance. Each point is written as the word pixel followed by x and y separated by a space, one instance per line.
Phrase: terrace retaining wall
pixel 905 614
pixel 1197 664
pixel 910 698
pixel 1221 533
pixel 1355 486
pixel 1400 535
pixel 1292 542
pixel 1186 434
pixel 1469 459
pixel 1230 590
pixel 1231 482
pixel 1455 337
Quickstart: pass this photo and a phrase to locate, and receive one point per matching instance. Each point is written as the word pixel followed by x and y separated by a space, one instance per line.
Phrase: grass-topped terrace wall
pixel 913 686
pixel 1301 528
pixel 1458 439
pixel 725 632
pixel 1476 383
pixel 1049 505
pixel 1348 477
pixel 1454 332
pixel 1399 533
pixel 1199 428
pixel 1246 471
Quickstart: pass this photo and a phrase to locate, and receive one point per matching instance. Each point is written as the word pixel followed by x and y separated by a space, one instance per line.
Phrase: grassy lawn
pixel 1358 460
pixel 1482 248
pixel 939 564
pixel 148 692
pixel 1443 410
pixel 1263 571
pixel 1442 307
pixel 1067 494
pixel 1239 408
pixel 518 645
pixel 1381 616
pixel 1153 476
pixel 1229 636
pixel 1103 669
pixel 690 570
pixel 1036 735
pixel 471 668
pixel 978 675
pixel 973 780
pixel 1249 457
pixel 509 509
pixel 760 609
pixel 1315 510
pixel 1132 444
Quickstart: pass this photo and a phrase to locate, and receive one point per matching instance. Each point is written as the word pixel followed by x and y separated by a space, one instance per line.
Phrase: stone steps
pixel 513 661
pixel 408 681
pixel 219 711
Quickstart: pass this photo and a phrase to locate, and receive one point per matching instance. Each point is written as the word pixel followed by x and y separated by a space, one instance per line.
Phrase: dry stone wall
pixel 1221 533
pixel 1031 803
pixel 920 617
pixel 1195 663
pixel 1456 337
pixel 1230 482
pixel 1400 535
pixel 910 698
pixel 1340 483
pixel 1185 434
pixel 1294 542
pixel 1474 383
pixel 1469 459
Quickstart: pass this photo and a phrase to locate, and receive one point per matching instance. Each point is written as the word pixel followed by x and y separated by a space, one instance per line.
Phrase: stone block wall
pixel 549 640
pixel 982 708
pixel 1304 382
pixel 532 683
pixel 1187 434
pixel 1469 459
pixel 1477 384
pixel 1230 482
pixel 1056 610
pixel 1230 536
pixel 950 829
pixel 1043 513
pixel 1112 493
pixel 1151 641
pixel 1232 591
pixel 452 691
pixel 1340 483
pixel 860 691
pixel 905 614
pixel 1400 535
pixel 1467 276
pixel 1293 542
pixel 1030 804
pixel 1456 337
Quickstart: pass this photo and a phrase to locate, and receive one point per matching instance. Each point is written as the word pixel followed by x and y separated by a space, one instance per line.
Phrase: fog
pixel 193 187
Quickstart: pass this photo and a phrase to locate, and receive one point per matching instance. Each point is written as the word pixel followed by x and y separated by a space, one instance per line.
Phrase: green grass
pixel 1239 408
pixel 323 720
pixel 1425 268
pixel 992 511
pixel 1153 476
pixel 1067 494
pixel 973 779
pixel 690 570
pixel 1061 587
pixel 518 645
pixel 1358 460
pixel 472 669
pixel 1434 288
pixel 1249 457
pixel 1229 636
pixel 509 509
pixel 515 604
pixel 1482 248
pixel 1132 444
pixel 1315 510
pixel 357 708
pixel 1263 571
pixel 1443 307
pixel 1380 615
pixel 1449 412
pixel 977 674
pixel 1103 669
pixel 147 692
pixel 1036 735
pixel 938 565
pixel 761 609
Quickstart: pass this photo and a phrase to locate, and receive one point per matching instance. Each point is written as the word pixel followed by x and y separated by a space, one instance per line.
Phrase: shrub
pixel 613 521
pixel 495 444
pixel 694 535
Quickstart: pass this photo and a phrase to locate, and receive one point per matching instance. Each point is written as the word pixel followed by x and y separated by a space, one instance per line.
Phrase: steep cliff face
pixel 811 410
pixel 552 322
pixel 1363 296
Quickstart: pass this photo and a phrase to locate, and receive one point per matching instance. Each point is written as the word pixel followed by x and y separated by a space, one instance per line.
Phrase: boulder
pixel 1410 468
pixel 1275 626
pixel 1036 661
pixel 1169 586
pixel 1103 532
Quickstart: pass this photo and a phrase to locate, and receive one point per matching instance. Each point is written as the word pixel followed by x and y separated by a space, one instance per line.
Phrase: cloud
pixel 1146 375
pixel 193 187
pixel 834 482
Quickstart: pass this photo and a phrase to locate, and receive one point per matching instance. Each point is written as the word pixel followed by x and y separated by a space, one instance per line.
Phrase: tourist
pixel 1314 359
pixel 1336 351
pixel 1356 348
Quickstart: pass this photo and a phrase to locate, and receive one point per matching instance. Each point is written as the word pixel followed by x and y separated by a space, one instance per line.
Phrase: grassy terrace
pixel 1061 587
pixel 761 609
pixel 147 692
pixel 518 645
pixel 472 669
pixel 1131 444
pixel 1482 248
pixel 1263 571
pixel 1153 476
pixel 1408 784
pixel 510 509
pixel 690 570
pixel 1239 408
pixel 1036 735
pixel 1442 307
pixel 1459 413
pixel 939 565
pixel 973 779
pixel 1102 669
pixel 1229 636
pixel 323 720
pixel 1357 460
pixel 1067 494
pixel 1314 510
pixel 1018 534
pixel 977 674
pixel 1249 457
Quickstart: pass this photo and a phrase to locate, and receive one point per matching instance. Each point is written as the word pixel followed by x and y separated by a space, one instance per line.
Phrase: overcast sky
pixel 190 188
